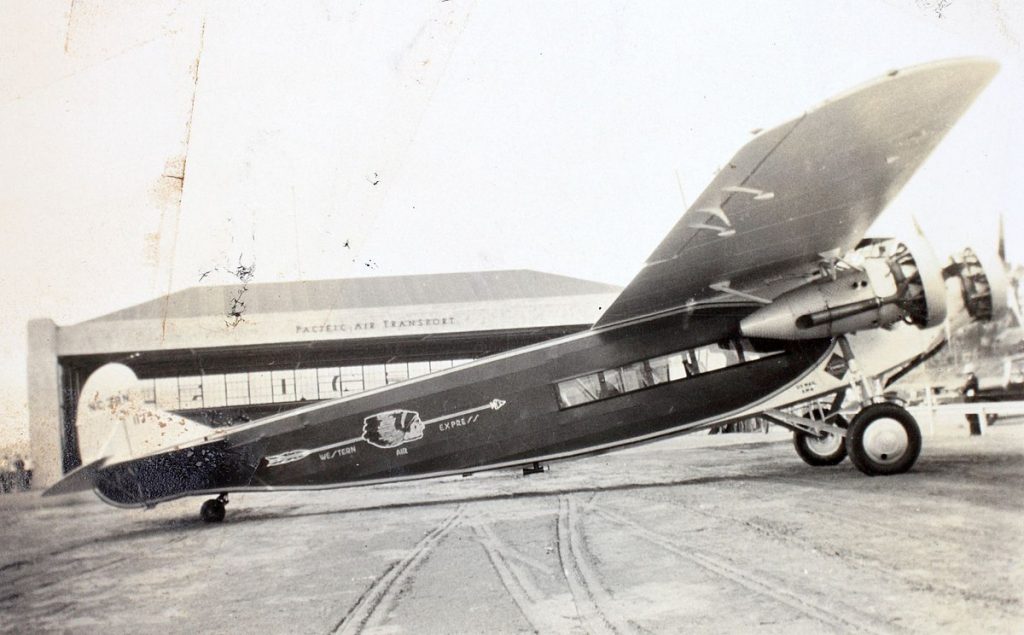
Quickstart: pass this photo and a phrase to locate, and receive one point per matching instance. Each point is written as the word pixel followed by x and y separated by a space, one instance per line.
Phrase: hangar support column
pixel 44 398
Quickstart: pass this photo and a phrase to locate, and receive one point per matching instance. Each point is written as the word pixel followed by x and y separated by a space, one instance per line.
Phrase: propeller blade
pixel 1001 245
pixel 917 226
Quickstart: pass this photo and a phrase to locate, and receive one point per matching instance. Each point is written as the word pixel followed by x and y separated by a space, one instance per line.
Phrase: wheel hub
pixel 885 440
pixel 824 445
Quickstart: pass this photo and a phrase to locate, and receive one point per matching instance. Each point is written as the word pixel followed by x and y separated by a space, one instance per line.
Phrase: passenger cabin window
pixel 659 370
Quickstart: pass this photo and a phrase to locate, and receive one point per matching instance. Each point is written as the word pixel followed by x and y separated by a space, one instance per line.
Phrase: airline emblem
pixel 388 429
pixel 392 428
pixel 836 366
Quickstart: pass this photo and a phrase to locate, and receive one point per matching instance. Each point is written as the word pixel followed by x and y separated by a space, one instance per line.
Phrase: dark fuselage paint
pixel 495 411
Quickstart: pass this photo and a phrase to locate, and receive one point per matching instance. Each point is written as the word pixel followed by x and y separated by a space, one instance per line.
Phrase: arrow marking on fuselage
pixel 297 455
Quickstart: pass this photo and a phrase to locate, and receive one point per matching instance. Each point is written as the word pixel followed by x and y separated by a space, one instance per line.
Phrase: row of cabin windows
pixel 658 370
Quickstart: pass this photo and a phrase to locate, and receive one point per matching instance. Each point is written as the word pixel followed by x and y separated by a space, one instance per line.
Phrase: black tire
pixel 212 511
pixel 820 452
pixel 883 439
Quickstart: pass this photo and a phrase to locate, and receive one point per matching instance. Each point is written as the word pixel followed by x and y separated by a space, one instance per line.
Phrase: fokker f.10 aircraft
pixel 765 295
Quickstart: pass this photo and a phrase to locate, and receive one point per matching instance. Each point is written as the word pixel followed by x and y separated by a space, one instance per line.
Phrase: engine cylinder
pixel 983 283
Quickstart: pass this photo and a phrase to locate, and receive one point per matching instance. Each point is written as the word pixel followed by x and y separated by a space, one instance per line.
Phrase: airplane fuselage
pixel 582 393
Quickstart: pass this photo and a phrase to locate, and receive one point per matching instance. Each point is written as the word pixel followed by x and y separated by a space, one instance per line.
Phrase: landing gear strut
pixel 212 510
pixel 822 449
pixel 882 439
pixel 819 436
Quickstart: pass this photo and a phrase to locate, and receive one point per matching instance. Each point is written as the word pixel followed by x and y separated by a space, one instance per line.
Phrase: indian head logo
pixel 392 428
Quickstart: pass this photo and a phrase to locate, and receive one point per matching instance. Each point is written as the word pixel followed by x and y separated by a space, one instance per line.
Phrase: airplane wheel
pixel 212 511
pixel 821 451
pixel 883 439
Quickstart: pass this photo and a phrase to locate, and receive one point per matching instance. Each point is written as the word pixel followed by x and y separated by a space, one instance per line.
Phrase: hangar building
pixel 224 354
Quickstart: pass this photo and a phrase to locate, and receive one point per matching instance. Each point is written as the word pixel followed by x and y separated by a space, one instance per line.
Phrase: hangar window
pixel 396 372
pixel 237 385
pixel 292 385
pixel 190 392
pixel 374 376
pixel 328 382
pixel 306 386
pixel 658 370
pixel 260 389
pixel 282 383
pixel 418 368
pixel 214 391
pixel 351 379
pixel 167 393
pixel 149 392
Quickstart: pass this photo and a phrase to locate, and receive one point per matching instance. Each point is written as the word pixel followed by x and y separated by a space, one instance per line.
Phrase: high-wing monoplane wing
pixel 808 187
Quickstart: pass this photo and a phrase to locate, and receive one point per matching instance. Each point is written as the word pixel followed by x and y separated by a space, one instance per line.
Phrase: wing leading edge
pixel 809 186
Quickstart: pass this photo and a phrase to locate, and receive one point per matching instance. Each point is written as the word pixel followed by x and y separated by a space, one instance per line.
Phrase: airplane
pixel 765 296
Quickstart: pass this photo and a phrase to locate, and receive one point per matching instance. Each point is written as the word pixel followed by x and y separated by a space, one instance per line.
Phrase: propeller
pixel 1001 244
pixel 1012 275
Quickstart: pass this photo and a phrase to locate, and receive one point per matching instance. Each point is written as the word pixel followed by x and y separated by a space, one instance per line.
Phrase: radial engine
pixel 983 281
pixel 879 284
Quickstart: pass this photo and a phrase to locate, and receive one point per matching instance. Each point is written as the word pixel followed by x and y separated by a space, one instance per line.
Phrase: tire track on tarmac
pixel 857 510
pixel 365 610
pixel 843 619
pixel 588 594
pixel 859 559
pixel 920 580
pixel 904 528
pixel 520 588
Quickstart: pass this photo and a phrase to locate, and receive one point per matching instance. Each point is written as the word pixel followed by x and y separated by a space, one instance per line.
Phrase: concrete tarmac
pixel 706 534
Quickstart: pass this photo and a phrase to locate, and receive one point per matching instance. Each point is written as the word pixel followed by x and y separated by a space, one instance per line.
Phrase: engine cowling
pixel 883 282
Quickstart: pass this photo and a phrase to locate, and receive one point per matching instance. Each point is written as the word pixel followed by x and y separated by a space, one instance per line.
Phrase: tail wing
pixel 118 423
pixel 80 479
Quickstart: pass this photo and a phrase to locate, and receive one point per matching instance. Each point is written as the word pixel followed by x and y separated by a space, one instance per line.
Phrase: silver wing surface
pixel 810 186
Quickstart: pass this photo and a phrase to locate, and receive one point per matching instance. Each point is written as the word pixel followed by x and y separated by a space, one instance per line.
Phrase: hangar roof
pixel 253 316
pixel 357 293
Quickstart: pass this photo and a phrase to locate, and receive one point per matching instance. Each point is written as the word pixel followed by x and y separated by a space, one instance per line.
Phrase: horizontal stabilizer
pixel 81 479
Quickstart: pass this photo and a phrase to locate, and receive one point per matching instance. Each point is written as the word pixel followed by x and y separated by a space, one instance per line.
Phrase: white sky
pixel 501 135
